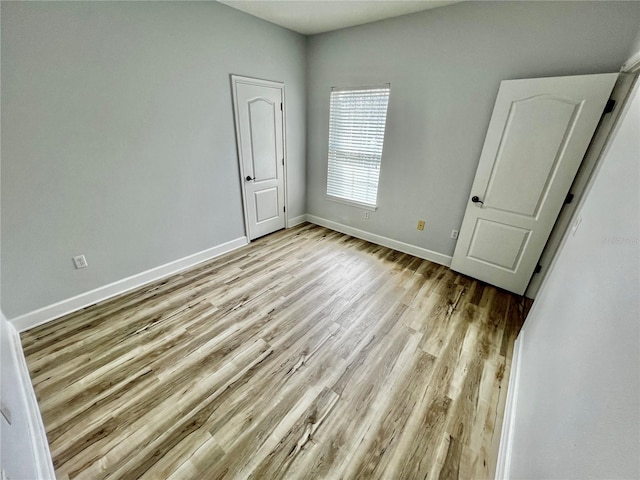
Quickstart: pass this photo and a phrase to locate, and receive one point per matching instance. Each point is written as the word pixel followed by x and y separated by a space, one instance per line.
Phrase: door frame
pixel 235 80
pixel 581 182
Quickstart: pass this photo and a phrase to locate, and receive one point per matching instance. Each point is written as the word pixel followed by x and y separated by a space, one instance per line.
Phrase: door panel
pixel 533 156
pixel 507 253
pixel 267 207
pixel 258 106
pixel 262 121
pixel 538 134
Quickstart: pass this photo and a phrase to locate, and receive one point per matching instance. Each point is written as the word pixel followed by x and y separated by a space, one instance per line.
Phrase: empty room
pixel 320 239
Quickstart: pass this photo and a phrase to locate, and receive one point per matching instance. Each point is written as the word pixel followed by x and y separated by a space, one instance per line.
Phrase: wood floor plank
pixel 306 354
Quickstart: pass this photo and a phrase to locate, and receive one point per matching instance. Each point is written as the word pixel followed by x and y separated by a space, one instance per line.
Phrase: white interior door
pixel 537 137
pixel 259 113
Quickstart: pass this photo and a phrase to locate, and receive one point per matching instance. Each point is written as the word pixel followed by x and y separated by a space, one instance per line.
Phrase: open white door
pixel 259 112
pixel 537 137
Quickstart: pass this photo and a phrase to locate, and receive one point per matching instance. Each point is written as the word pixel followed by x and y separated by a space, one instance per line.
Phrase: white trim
pixel 296 220
pixel 632 65
pixel 414 250
pixel 39 443
pixel 285 156
pixel 503 467
pixel 51 312
pixel 261 82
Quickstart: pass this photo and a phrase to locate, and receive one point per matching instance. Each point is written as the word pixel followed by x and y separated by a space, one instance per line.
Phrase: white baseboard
pixel 384 241
pixel 503 468
pixel 292 222
pixel 39 444
pixel 64 307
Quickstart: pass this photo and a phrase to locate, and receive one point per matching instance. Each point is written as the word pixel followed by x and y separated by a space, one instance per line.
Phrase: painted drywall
pixel 118 137
pixel 24 449
pixel 24 452
pixel 578 386
pixel 445 66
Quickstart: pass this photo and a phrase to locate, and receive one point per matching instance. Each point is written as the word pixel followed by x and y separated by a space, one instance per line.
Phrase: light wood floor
pixel 307 354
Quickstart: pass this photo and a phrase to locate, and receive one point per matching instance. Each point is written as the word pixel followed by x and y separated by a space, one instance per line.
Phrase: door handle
pixel 248 179
pixel 476 199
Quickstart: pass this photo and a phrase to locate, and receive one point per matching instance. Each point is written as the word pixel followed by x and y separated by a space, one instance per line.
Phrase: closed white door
pixel 259 113
pixel 537 137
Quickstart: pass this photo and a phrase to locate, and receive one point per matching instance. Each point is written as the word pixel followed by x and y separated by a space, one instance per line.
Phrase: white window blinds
pixel 356 135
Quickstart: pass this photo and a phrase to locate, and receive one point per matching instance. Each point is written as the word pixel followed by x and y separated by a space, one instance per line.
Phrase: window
pixel 356 135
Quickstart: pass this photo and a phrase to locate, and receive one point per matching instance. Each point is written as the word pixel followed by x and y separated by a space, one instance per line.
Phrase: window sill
pixel 364 206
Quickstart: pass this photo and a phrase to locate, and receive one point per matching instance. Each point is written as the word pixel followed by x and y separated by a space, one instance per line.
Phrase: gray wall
pixel 117 123
pixel 445 66
pixel 118 137
pixel 578 387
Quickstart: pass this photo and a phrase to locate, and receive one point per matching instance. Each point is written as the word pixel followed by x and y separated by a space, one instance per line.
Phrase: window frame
pixel 349 201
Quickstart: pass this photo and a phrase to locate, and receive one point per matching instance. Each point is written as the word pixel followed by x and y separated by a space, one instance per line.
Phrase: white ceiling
pixel 317 16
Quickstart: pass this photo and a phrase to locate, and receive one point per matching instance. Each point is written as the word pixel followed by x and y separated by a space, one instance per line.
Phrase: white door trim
pixel 235 80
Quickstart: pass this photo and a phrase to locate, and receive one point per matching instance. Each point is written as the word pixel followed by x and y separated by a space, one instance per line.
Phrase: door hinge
pixel 569 198
pixel 538 269
pixel 284 209
pixel 282 109
pixel 611 104
pixel 283 161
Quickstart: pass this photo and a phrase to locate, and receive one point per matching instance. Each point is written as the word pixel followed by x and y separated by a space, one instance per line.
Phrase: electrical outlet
pixel 366 215
pixel 454 234
pixel 80 261
pixel 420 225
